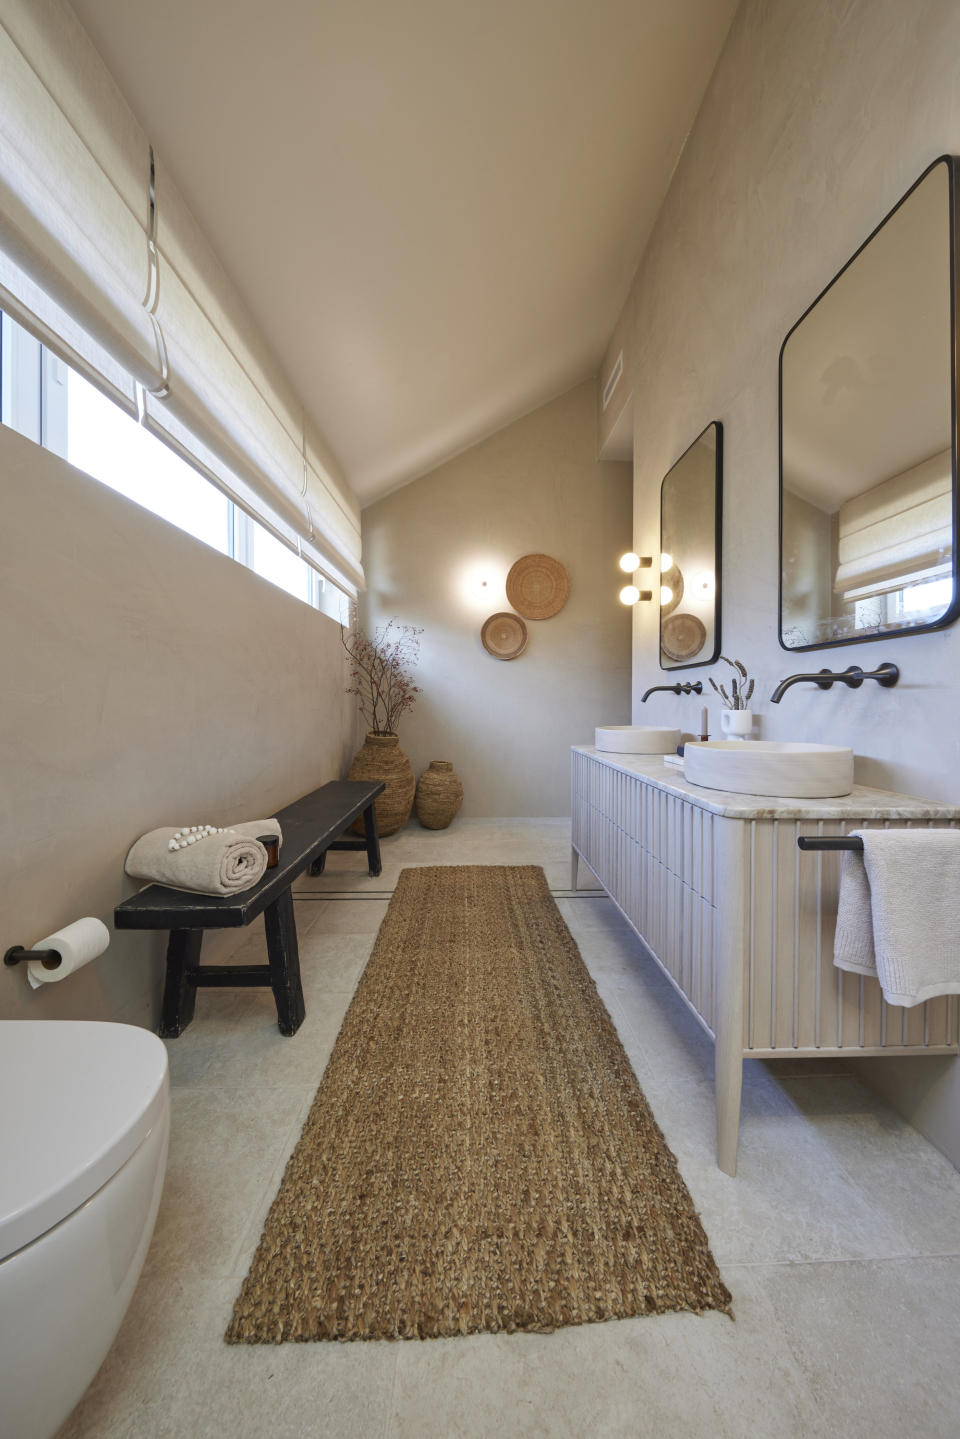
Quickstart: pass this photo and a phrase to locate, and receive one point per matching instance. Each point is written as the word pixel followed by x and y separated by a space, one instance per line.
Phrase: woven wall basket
pixel 439 795
pixel 538 587
pixel 682 636
pixel 504 636
pixel 380 757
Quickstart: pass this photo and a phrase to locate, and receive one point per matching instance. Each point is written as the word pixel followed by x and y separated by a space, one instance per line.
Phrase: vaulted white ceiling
pixel 433 208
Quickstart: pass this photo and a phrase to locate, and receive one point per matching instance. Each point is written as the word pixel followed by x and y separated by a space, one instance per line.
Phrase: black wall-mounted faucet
pixel 678 689
pixel 853 677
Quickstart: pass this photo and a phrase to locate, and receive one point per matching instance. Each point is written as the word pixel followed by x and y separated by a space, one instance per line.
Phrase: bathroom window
pixel 109 445
pixel 46 401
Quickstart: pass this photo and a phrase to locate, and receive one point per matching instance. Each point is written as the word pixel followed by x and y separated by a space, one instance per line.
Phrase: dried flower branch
pixel 381 671
pixel 741 686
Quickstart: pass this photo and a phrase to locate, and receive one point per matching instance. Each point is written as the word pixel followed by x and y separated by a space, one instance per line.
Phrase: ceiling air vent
pixel 613 379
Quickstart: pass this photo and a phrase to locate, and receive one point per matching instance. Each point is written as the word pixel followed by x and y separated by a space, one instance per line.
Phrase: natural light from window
pixel 49 403
pixel 275 562
pixel 933 596
pixel 109 445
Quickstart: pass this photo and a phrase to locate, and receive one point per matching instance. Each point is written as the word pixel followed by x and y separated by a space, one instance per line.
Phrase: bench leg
pixel 373 840
pixel 284 956
pixel 179 990
pixel 318 866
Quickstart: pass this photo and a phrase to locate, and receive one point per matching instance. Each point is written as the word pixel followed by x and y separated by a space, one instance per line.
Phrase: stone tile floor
pixel 840 1237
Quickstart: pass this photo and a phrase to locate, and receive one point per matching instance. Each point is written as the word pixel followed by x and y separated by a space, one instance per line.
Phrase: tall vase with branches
pixel 381 671
pixel 381 678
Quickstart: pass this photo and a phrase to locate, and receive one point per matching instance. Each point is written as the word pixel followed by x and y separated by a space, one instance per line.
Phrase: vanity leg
pixel 574 867
pixel 730 940
pixel 728 1080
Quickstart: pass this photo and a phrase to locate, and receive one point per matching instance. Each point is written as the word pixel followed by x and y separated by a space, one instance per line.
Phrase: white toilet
pixel 84 1123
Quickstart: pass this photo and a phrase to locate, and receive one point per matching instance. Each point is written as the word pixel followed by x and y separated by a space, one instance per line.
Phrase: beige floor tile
pixel 224 1149
pixel 197 1385
pixel 333 962
pixel 593 912
pixel 239 1048
pixel 878 1342
pixel 656 1027
pixel 887 1159
pixel 359 916
pixel 790 1202
pixel 670 1376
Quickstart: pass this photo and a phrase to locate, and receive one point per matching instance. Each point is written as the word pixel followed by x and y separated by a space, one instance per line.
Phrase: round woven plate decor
pixel 504 636
pixel 537 587
pixel 682 637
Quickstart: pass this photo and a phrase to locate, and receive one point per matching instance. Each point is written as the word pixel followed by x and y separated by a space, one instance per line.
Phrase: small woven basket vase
pixel 380 757
pixel 439 795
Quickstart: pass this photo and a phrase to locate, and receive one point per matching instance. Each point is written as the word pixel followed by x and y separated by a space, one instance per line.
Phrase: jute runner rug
pixel 479 1155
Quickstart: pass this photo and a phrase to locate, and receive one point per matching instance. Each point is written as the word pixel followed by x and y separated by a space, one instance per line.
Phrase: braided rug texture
pixel 479 1155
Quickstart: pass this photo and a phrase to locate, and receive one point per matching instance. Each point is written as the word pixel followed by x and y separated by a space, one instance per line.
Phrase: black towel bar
pixel 853 843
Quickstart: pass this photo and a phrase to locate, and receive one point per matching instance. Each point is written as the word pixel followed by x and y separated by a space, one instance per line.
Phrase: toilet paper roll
pixel 76 944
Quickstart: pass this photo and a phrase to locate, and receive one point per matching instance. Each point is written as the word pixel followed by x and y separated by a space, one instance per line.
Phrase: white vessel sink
pixel 791 771
pixel 636 739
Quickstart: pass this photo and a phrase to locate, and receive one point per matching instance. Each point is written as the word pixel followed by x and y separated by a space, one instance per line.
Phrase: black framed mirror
pixel 691 501
pixel 868 435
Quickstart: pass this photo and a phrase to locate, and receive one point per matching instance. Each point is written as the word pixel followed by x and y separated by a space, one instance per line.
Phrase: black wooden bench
pixel 310 827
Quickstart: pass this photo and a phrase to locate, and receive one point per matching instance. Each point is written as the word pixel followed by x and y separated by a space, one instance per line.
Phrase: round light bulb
pixel 666 562
pixel 629 563
pixel 629 595
pixel 666 594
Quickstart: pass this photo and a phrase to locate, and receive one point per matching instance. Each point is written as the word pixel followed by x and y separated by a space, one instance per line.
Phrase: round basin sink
pixel 636 739
pixel 788 770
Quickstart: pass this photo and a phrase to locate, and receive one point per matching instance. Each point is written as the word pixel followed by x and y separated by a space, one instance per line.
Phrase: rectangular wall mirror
pixel 690 521
pixel 868 437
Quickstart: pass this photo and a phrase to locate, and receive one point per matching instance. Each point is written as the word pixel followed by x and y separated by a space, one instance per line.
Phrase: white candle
pixel 703 721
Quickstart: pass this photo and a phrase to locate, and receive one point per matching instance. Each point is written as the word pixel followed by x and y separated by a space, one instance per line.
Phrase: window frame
pixel 29 405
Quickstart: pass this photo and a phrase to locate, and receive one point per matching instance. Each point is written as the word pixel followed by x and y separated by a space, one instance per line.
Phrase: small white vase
pixel 737 724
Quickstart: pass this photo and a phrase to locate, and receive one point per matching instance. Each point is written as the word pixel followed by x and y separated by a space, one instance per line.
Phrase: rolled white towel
pixel 254 828
pixel 201 858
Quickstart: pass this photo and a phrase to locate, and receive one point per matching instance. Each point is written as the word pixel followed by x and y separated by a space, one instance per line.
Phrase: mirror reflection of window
pixel 867 461
pixel 690 554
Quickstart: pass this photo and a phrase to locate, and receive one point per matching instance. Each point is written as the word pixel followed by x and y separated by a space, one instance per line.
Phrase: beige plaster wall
pixel 818 118
pixel 147 680
pixel 536 486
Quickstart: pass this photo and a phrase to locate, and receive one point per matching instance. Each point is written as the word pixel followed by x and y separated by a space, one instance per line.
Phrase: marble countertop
pixel 863 802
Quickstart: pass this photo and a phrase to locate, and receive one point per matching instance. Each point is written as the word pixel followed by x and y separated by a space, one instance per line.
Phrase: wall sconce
pixel 629 562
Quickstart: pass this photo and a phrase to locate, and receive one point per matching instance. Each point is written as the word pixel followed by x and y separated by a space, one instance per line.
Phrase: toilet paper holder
pixel 49 958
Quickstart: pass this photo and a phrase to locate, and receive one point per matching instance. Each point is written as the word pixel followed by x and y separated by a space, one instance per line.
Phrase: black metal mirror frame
pixel 952 613
pixel 717 547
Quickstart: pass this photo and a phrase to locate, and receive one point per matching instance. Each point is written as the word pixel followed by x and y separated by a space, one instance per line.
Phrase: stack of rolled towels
pixel 203 858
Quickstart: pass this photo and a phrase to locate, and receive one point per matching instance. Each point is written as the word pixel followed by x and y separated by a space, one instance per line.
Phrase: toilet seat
pixel 61 1143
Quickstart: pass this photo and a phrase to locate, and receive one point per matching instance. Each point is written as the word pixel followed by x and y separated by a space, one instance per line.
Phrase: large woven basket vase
pixel 439 795
pixel 380 757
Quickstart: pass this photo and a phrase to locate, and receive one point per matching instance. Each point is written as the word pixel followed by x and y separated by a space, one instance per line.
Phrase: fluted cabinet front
pixel 742 921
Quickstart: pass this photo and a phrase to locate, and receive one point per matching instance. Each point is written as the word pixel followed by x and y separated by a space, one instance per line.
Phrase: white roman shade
pixel 74 171
pixel 224 387
pixel 80 270
pixel 897 530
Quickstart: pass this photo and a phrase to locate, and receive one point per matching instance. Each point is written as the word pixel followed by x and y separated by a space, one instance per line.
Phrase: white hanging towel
pixel 898 916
